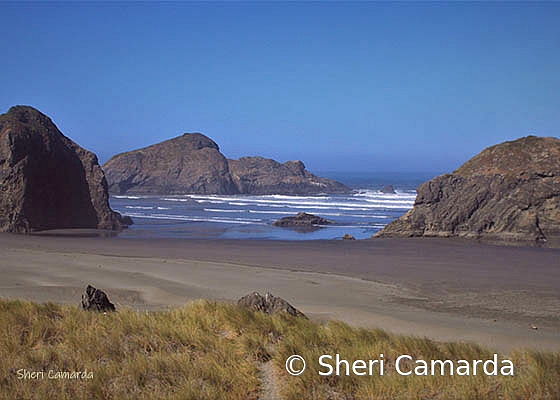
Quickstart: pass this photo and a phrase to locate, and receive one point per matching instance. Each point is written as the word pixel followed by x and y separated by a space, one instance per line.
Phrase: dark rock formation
pixel 302 219
pixel 347 236
pixel 127 220
pixel 268 304
pixel 258 175
pixel 47 180
pixel 96 300
pixel 509 192
pixel 388 189
pixel 192 163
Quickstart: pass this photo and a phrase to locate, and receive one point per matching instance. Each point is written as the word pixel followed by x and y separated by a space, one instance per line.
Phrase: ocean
pixel 360 213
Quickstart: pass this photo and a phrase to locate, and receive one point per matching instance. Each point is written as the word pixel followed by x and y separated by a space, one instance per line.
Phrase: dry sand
pixel 444 289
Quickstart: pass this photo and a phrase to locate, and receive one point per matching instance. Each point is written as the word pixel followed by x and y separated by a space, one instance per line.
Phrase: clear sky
pixel 342 86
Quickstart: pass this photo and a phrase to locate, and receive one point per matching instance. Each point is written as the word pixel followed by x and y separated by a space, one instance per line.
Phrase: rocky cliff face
pixel 509 192
pixel 47 180
pixel 258 175
pixel 192 163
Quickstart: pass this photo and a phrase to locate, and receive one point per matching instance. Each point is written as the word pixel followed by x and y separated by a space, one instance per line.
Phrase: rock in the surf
pixel 302 219
pixel 388 189
pixel 47 180
pixel 509 193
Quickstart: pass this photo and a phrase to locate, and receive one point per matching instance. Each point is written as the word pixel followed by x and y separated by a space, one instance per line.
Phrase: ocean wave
pixel 175 199
pixel 287 213
pixel 383 201
pixel 380 195
pixel 309 201
pixel 222 210
pixel 210 201
pixel 286 197
pixel 355 226
pixel 127 197
pixel 369 207
pixel 141 207
pixel 196 219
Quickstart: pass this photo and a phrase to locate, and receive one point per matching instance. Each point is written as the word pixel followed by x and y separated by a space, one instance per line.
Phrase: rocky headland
pixel 193 163
pixel 47 180
pixel 508 193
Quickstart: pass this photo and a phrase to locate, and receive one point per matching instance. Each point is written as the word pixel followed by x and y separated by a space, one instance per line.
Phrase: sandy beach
pixel 448 290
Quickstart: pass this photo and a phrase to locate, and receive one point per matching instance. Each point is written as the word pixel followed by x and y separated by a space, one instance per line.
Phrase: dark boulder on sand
pixel 302 219
pixel 47 180
pixel 348 236
pixel 96 300
pixel 508 193
pixel 268 304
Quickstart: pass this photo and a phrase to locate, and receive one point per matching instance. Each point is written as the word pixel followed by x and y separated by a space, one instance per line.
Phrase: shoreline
pixel 447 290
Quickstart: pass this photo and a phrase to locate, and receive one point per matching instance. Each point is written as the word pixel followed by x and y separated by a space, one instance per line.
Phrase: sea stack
pixel 259 175
pixel 508 193
pixel 47 180
pixel 388 189
pixel 193 163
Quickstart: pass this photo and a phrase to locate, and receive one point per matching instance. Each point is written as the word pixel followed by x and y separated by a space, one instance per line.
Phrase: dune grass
pixel 209 350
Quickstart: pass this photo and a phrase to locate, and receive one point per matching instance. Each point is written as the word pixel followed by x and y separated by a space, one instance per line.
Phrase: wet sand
pixel 448 290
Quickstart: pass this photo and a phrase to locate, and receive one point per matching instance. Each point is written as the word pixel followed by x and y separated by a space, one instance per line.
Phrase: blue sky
pixel 342 86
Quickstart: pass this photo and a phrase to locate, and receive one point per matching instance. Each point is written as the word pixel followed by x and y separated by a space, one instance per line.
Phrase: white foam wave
pixel 127 197
pixel 248 219
pixel 287 212
pixel 380 195
pixel 286 197
pixel 140 207
pixel 383 201
pixel 195 219
pixel 175 199
pixel 369 207
pixel 313 204
pixel 210 201
pixel 222 210
pixel 356 226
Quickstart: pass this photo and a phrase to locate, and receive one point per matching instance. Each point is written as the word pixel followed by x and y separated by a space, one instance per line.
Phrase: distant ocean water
pixel 360 213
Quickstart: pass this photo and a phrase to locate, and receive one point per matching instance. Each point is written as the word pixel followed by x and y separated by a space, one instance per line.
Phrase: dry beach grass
pixel 213 350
